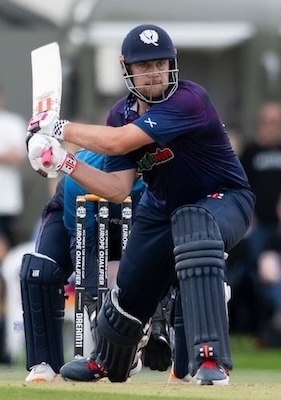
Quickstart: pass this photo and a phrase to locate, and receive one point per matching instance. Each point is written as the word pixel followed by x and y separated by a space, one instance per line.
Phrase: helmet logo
pixel 149 36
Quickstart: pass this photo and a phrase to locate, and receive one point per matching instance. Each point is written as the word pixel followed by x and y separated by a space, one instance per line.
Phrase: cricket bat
pixel 46 84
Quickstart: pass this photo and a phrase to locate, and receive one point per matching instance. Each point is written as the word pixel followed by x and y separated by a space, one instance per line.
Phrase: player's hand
pixel 157 354
pixel 60 159
pixel 47 123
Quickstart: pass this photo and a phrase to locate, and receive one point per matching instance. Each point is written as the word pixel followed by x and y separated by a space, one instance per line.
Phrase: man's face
pixel 269 125
pixel 151 77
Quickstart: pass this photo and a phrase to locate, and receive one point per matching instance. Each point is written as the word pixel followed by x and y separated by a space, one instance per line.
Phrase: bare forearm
pixel 100 139
pixel 101 183
pixel 106 139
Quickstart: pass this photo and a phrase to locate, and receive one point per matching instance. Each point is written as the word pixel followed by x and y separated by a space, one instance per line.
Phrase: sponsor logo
pixel 149 160
pixel 81 212
pixel 216 195
pixel 104 212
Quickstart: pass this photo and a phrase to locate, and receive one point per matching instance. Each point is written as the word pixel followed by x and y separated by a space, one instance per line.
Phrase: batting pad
pixel 199 259
pixel 42 290
pixel 118 336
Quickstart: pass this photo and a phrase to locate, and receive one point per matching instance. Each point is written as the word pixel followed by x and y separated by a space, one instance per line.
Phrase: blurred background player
pixel 269 279
pixel 262 162
pixel 261 159
pixel 12 157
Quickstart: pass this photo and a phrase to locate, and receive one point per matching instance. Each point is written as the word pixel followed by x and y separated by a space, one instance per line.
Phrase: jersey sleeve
pixel 184 112
pixel 119 163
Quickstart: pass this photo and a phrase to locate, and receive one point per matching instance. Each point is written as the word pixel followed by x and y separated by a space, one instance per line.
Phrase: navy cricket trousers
pixel 147 270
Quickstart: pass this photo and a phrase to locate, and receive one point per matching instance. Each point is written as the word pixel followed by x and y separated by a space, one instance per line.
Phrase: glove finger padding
pixel 60 160
pixel 43 123
pixel 157 354
pixel 37 145
pixel 47 123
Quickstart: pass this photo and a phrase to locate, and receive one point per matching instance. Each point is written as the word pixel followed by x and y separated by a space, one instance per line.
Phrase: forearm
pixel 100 139
pixel 106 140
pixel 101 183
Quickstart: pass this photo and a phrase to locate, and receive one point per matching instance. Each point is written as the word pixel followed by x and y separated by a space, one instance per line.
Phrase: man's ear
pixel 121 60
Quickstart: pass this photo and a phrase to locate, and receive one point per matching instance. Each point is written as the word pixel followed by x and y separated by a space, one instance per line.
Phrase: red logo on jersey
pixel 216 195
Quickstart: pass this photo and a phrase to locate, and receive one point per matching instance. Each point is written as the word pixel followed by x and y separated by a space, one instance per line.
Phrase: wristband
pixel 69 164
pixel 58 128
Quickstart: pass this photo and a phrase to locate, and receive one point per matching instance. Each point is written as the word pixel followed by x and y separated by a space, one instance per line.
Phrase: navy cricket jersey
pixel 192 155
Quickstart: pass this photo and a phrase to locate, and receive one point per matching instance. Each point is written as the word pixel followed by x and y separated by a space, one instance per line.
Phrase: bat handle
pixel 47 158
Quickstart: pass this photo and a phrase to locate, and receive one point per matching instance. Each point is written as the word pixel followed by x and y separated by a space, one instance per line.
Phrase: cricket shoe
pixel 41 373
pixel 211 373
pixel 82 369
pixel 86 370
pixel 174 379
pixel 135 368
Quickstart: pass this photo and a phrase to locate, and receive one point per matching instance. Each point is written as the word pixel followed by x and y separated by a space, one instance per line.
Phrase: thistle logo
pixel 149 160
pixel 150 36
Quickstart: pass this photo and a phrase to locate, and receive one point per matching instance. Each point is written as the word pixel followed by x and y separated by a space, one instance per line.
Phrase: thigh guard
pixel 42 291
pixel 199 258
pixel 118 336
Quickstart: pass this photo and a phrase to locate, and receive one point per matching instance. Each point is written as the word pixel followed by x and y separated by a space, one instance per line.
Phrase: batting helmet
pixel 149 42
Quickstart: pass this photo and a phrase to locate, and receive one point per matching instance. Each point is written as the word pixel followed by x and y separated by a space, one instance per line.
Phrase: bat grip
pixel 47 158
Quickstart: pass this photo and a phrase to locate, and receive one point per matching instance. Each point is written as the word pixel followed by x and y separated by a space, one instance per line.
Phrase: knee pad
pixel 42 291
pixel 118 336
pixel 199 258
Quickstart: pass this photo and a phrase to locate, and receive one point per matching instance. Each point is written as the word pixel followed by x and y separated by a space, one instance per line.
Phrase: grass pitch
pixel 245 385
pixel 256 376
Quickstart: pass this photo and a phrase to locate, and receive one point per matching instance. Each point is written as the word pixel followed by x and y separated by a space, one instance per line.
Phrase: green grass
pixel 256 376
pixel 247 355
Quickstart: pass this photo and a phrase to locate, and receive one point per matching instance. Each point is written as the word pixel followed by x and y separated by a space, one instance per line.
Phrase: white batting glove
pixel 47 123
pixel 58 160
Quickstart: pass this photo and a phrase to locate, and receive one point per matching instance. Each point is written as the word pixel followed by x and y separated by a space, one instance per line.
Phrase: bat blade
pixel 46 84
pixel 46 78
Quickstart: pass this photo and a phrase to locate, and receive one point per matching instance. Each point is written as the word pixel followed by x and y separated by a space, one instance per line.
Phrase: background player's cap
pixel 147 42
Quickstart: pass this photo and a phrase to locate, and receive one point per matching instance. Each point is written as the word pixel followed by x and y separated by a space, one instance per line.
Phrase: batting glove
pixel 47 123
pixel 157 354
pixel 59 159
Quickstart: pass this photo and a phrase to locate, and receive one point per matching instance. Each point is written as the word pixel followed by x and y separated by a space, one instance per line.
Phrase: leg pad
pixel 42 291
pixel 118 336
pixel 199 257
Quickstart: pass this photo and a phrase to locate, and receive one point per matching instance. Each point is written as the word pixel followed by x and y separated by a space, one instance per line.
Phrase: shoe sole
pixel 221 382
pixel 40 380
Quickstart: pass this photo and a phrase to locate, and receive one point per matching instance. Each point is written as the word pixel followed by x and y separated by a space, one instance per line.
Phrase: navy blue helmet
pixel 149 42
